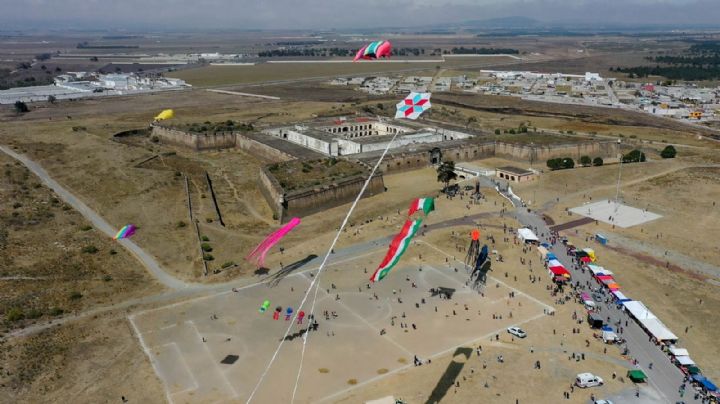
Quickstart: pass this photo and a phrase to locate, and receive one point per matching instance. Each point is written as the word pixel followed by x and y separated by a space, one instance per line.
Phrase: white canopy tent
pixel 527 235
pixel 658 329
pixel 684 360
pixel 638 310
pixel 543 251
pixel 679 351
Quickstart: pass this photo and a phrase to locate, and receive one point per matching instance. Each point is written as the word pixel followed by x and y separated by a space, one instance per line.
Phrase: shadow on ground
pixel 447 380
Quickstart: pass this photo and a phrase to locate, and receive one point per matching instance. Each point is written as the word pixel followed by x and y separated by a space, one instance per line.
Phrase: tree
pixel 567 162
pixel 554 164
pixel 51 99
pixel 585 161
pixel 597 161
pixel 21 107
pixel 668 152
pixel 497 131
pixel 635 156
pixel 446 172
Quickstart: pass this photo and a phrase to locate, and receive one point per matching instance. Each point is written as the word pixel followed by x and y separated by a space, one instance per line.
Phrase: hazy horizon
pixel 345 14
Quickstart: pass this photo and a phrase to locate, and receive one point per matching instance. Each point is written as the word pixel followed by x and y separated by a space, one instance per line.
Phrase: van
pixel 585 380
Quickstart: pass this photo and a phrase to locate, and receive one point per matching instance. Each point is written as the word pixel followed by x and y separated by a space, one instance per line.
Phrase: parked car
pixel 603 402
pixel 585 380
pixel 517 331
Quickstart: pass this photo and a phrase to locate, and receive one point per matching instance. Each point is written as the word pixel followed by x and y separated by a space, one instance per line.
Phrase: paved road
pixel 665 378
pixel 98 222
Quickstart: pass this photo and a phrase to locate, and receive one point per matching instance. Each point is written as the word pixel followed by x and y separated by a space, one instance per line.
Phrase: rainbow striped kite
pixel 125 232
pixel 374 50
pixel 397 249
pixel 427 205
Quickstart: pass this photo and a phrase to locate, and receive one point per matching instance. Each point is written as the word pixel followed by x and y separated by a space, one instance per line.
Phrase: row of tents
pixel 654 327
pixel 642 315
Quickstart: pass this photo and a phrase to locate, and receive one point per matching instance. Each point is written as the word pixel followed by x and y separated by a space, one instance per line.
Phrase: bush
pixel 75 296
pixel 208 257
pixel 208 220
pixel 205 238
pixel 113 252
pixel 585 161
pixel 86 228
pixel 668 152
pixel 497 131
pixel 155 139
pixel 107 278
pixel 181 224
pixel 206 247
pixel 554 164
pixel 227 264
pixel 89 249
pixel 21 107
pixel 14 314
pixel 33 314
pixel 56 311
pixel 567 162
pixel 597 161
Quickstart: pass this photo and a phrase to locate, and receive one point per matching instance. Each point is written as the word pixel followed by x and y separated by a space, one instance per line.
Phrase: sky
pixel 343 14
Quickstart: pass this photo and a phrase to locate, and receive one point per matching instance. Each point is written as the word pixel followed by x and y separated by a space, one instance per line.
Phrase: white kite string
pixel 312 308
pixel 317 276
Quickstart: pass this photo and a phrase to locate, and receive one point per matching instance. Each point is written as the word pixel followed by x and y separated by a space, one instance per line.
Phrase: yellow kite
pixel 165 114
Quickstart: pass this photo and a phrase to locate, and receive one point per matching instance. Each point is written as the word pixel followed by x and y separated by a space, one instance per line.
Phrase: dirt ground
pixel 52 262
pixel 94 360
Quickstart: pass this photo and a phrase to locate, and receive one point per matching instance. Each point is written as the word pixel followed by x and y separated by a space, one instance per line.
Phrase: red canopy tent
pixel 604 277
pixel 585 259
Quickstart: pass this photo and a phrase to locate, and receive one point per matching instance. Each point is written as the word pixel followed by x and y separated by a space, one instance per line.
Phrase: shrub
pixel 205 238
pixel 597 161
pixel 33 314
pixel 206 247
pixel 208 220
pixel 86 228
pixel 181 224
pixel 497 131
pixel 56 311
pixel 107 278
pixel 21 107
pixel 89 249
pixel 668 152
pixel 554 164
pixel 113 252
pixel 155 139
pixel 567 162
pixel 75 295
pixel 227 264
pixel 208 257
pixel 14 314
pixel 585 161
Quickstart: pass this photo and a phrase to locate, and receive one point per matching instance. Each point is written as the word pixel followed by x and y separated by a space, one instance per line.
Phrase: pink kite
pixel 259 253
pixel 374 50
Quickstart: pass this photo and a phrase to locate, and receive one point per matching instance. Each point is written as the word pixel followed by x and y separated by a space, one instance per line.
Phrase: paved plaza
pixel 616 213
pixel 186 342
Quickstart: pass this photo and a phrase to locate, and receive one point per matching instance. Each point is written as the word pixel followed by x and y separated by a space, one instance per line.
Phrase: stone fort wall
pixel 312 200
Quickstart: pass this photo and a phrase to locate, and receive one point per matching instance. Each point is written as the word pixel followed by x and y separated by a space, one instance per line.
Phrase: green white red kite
pixel 397 248
pixel 427 205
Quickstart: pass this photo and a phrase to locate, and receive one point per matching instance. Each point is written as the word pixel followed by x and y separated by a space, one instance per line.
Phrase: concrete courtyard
pixel 615 213
pixel 186 343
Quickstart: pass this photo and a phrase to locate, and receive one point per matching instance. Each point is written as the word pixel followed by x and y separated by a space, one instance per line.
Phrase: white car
pixel 588 380
pixel 517 331
pixel 603 402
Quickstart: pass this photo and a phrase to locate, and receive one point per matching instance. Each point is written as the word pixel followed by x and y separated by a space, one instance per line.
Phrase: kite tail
pixel 262 249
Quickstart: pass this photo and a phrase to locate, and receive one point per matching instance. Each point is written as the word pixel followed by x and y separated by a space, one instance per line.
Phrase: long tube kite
pixel 125 232
pixel 259 253
pixel 397 249
pixel 374 50
pixel 427 205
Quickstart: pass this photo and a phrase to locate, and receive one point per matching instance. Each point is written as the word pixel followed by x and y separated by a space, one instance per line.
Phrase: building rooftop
pixel 514 170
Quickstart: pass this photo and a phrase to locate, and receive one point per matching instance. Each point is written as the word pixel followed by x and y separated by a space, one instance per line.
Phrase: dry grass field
pixel 52 262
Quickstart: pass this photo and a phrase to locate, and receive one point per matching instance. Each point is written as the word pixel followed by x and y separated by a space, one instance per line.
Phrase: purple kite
pixel 259 253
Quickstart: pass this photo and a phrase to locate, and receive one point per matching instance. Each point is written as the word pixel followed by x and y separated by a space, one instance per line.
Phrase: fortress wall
pixel 260 149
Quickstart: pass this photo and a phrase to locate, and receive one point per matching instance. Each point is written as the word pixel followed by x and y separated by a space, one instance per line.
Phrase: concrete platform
pixel 611 212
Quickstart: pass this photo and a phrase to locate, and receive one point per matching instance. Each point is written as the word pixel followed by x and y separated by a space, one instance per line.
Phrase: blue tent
pixel 607 328
pixel 550 256
pixel 546 245
pixel 601 239
pixel 705 382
